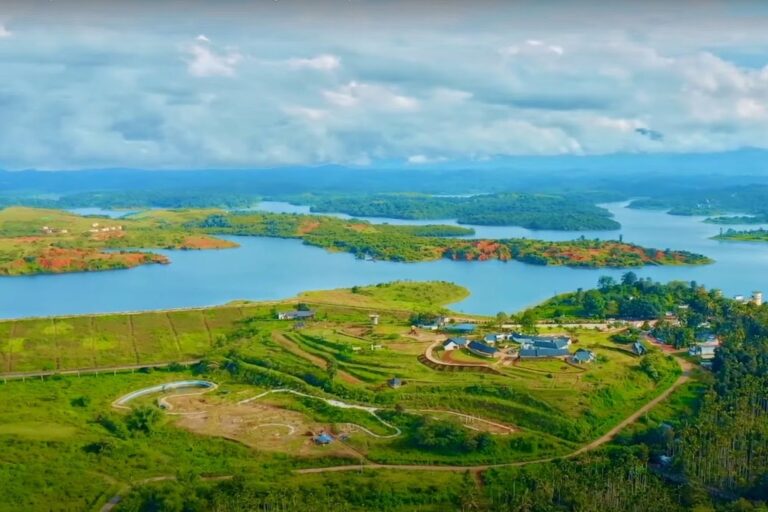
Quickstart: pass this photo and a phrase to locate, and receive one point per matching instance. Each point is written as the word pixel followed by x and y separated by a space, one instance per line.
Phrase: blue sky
pixel 232 84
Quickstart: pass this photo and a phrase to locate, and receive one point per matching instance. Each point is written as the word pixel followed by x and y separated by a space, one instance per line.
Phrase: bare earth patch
pixel 256 424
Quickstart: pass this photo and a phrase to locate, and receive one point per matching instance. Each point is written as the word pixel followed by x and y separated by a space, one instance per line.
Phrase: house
pixel 394 382
pixel 454 343
pixel 583 356
pixel 638 348
pixel 495 338
pixel 705 349
pixel 465 328
pixel 323 439
pixel 531 351
pixel 434 325
pixel 295 315
pixel 481 349
pixel 553 342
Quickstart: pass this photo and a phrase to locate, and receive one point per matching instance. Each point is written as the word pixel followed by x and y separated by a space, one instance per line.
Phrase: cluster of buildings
pixel 530 347
pixel 52 231
pixel 443 323
pixel 756 298
pixel 96 228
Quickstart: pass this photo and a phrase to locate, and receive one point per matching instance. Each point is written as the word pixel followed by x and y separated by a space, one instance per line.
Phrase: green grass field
pixel 553 407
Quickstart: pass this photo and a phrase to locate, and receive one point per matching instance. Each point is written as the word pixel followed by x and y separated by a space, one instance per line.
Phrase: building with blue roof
pixel 583 356
pixel 530 351
pixel 454 343
pixel 481 349
pixel 463 328
pixel 323 438
pixel 555 342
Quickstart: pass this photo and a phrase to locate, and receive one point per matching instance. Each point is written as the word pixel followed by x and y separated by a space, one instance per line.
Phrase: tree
pixel 629 279
pixel 528 322
pixel 501 318
pixel 594 304
pixel 605 282
pixel 332 369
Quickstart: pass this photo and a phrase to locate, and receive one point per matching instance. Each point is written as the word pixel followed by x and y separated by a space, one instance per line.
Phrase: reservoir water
pixel 264 268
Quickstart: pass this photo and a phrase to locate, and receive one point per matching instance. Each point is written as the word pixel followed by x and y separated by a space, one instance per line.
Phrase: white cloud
pixel 309 114
pixel 359 92
pixel 424 160
pixel 532 47
pixel 373 96
pixel 4 32
pixel 206 62
pixel 323 62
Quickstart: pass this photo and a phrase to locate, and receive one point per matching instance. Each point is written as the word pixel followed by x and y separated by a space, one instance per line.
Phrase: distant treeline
pixel 752 199
pixel 532 211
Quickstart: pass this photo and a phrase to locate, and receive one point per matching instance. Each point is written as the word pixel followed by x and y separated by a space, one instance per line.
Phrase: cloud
pixel 4 32
pixel 532 47
pixel 424 160
pixel 323 62
pixel 309 114
pixel 373 96
pixel 469 83
pixel 203 61
pixel 650 134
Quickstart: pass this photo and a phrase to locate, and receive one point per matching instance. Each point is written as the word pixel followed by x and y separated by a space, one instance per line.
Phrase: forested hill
pixel 749 198
pixel 532 211
pixel 722 449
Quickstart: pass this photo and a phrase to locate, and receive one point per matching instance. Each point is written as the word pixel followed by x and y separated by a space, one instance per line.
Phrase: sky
pixel 270 83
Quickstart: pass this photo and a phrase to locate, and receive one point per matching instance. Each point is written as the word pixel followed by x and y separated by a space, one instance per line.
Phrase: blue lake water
pixel 264 268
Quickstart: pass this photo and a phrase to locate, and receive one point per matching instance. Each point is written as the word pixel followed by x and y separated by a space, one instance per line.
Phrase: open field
pixel 336 370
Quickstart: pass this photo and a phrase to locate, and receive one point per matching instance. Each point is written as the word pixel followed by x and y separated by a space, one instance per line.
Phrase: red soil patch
pixel 308 226
pixel 57 260
pixel 206 242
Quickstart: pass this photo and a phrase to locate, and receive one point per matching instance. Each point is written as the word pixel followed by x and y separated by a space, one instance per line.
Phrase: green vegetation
pixel 738 219
pixel 532 211
pixel 755 235
pixel 47 241
pixel 709 201
pixel 633 299
pixel 55 431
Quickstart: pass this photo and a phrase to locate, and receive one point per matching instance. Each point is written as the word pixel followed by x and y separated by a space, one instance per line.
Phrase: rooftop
pixel 482 347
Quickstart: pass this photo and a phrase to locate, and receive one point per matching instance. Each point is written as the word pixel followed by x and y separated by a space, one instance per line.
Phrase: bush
pixel 143 419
